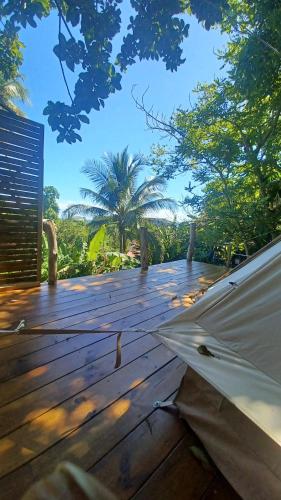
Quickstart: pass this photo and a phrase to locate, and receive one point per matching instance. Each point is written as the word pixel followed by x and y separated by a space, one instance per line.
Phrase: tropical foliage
pixel 232 150
pixel 50 203
pixel 167 242
pixel 118 198
pixel 229 140
pixel 81 255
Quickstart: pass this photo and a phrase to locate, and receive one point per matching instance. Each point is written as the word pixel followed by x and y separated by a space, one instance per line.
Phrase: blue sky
pixel 119 124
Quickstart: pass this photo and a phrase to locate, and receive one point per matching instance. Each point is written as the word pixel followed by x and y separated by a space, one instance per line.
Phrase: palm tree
pixel 10 91
pixel 117 197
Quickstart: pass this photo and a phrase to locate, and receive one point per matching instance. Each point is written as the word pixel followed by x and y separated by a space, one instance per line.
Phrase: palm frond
pixel 13 90
pixel 84 210
pixel 97 172
pixel 147 188
pixel 100 220
pixel 159 204
pixel 135 167
pixel 97 198
pixel 116 197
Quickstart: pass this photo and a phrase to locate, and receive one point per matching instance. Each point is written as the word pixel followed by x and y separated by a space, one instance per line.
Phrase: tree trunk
pixel 144 249
pixel 229 254
pixel 122 240
pixel 246 249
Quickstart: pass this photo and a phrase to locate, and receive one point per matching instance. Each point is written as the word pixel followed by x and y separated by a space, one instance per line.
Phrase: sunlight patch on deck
pixel 120 408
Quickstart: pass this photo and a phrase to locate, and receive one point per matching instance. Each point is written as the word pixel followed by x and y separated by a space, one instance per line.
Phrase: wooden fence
pixel 21 195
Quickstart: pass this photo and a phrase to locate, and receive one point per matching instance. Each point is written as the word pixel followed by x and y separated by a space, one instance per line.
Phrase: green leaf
pixel 84 119
pixel 97 243
pixel 116 261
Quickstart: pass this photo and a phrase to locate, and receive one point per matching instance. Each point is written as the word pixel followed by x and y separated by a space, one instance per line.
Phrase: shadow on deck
pixel 62 399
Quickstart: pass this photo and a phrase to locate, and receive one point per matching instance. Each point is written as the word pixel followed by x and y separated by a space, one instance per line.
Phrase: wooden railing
pixel 49 228
pixel 192 240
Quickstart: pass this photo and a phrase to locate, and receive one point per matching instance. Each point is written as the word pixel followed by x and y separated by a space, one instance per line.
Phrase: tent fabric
pixel 238 320
pixel 249 459
pixel 231 394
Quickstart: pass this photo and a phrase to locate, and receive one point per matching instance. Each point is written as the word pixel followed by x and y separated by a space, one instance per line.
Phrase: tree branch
pixel 271 129
pixel 63 19
pixel 153 121
pixel 60 61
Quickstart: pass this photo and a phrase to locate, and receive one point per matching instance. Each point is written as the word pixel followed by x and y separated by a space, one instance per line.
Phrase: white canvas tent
pixel 231 394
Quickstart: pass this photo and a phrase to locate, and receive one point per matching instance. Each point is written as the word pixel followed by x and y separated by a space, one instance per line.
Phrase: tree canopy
pixel 229 140
pixel 157 28
pixel 86 31
pixel 50 204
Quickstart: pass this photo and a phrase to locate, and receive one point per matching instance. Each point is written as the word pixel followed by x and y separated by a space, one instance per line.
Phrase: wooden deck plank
pixel 33 379
pixel 80 284
pixel 111 314
pixel 94 284
pixel 180 477
pixel 33 438
pixel 140 301
pixel 32 360
pixel 97 436
pixel 55 310
pixel 31 406
pixel 50 371
pixel 24 304
pixel 84 304
pixel 102 300
pixel 62 399
pixel 220 489
pixel 131 462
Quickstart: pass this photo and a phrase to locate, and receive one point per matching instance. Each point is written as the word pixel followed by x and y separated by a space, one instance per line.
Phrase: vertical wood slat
pixel 16 135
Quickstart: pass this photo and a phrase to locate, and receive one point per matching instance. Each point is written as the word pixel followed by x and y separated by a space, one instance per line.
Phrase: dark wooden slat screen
pixel 21 197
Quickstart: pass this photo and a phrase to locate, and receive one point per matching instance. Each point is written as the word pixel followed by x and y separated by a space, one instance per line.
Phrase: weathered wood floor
pixel 61 399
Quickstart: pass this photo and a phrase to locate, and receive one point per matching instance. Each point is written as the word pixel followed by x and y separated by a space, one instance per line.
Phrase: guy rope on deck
pixel 22 329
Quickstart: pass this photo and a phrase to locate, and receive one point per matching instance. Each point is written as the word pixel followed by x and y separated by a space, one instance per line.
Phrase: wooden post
pixel 144 249
pixel 229 254
pixel 50 229
pixel 192 238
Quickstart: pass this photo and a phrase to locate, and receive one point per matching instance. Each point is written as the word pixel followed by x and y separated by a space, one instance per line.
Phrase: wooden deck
pixel 62 399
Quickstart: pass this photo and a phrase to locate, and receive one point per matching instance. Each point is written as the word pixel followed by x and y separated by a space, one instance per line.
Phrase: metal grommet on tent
pixel 163 404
